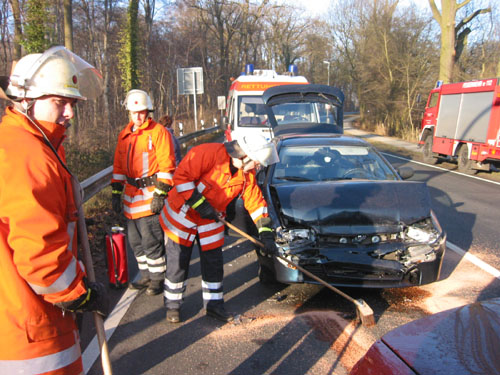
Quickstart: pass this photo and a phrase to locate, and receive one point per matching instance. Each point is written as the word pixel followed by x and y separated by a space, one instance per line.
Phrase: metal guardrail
pixel 94 184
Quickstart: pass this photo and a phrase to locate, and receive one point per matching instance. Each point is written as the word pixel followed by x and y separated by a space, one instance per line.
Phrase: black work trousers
pixel 212 273
pixel 146 237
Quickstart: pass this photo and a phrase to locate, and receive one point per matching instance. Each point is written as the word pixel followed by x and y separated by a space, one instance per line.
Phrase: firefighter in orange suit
pixel 42 283
pixel 144 163
pixel 207 179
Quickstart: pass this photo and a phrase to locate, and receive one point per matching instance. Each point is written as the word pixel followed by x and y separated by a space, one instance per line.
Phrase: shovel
pixel 364 312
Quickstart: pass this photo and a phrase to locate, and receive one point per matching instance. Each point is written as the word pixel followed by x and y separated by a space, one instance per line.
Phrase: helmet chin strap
pixel 24 107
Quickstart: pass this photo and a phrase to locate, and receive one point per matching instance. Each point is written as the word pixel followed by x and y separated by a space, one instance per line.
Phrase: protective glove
pixel 266 235
pixel 161 191
pixel 199 203
pixel 267 238
pixel 95 300
pixel 157 203
pixel 116 196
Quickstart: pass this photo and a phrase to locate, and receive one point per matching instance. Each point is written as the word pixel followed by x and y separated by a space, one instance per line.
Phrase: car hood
pixel 352 207
pixel 464 340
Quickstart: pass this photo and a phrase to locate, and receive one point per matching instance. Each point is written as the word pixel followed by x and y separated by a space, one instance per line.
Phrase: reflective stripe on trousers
pixel 146 238
pixel 212 273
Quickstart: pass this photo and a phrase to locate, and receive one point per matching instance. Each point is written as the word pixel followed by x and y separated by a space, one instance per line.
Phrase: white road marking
pixel 471 258
pixel 92 351
pixel 474 260
pixel 440 168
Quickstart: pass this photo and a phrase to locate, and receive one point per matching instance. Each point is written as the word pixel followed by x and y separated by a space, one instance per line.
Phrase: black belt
pixel 142 182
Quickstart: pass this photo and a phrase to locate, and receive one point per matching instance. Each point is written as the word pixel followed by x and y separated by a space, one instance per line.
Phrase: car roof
pixel 320 139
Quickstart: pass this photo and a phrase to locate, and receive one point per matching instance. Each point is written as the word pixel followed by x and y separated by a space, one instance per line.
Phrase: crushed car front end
pixel 362 234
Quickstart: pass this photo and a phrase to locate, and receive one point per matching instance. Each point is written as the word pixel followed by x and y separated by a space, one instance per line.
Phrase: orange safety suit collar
pixel 54 132
pixel 128 128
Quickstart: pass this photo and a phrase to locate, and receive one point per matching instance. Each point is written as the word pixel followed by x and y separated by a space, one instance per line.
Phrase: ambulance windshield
pixel 251 112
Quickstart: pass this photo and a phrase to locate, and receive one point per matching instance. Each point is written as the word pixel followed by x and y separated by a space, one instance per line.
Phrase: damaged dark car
pixel 342 212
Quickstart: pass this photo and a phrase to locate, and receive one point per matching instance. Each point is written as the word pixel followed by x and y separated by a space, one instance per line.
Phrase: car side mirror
pixel 406 172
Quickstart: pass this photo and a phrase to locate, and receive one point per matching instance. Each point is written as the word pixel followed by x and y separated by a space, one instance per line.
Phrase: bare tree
pixel 18 31
pixel 285 37
pixel 451 33
pixel 68 24
pixel 222 19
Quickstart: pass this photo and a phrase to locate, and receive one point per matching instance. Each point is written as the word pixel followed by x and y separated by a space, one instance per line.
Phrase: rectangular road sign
pixel 189 81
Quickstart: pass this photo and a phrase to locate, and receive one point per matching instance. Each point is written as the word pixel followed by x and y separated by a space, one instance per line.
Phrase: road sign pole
pixel 194 94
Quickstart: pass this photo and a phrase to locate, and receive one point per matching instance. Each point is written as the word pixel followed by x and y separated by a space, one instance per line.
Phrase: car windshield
pixel 310 112
pixel 329 163
pixel 251 111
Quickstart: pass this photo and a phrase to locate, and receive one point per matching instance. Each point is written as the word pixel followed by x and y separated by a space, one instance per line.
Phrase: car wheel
pixel 266 276
pixel 429 158
pixel 464 163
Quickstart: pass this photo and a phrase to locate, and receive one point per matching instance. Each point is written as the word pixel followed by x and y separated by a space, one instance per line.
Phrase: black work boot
pixel 173 316
pixel 141 284
pixel 219 312
pixel 155 287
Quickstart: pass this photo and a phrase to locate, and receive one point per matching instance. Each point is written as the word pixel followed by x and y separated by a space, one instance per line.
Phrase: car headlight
pixel 419 234
pixel 289 239
pixel 425 231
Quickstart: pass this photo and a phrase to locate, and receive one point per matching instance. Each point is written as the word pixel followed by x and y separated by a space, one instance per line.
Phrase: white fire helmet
pixel 138 100
pixel 259 149
pixel 57 71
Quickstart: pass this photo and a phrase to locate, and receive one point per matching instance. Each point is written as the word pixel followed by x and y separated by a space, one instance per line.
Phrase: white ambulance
pixel 245 112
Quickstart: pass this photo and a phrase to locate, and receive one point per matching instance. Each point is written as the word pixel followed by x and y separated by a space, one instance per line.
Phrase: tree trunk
pixel 18 31
pixel 447 59
pixel 68 24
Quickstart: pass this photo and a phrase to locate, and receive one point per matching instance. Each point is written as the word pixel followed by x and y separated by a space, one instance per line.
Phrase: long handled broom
pixel 363 310
pixel 89 266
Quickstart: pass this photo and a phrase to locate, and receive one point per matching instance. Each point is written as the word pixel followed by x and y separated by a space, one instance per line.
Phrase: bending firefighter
pixel 207 179
pixel 42 282
pixel 144 163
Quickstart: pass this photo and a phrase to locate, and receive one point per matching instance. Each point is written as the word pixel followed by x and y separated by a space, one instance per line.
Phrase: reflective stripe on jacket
pixel 38 252
pixel 206 168
pixel 142 153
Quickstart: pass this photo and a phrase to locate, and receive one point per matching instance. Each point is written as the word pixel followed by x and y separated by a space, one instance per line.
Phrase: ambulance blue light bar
pixel 249 69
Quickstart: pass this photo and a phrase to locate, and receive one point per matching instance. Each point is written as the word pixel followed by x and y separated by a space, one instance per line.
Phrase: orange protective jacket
pixel 38 252
pixel 206 168
pixel 145 152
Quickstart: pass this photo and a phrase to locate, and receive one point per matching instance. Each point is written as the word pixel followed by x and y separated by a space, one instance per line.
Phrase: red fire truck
pixel 462 123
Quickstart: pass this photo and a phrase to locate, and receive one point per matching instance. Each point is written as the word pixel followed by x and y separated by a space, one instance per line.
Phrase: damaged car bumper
pixel 400 266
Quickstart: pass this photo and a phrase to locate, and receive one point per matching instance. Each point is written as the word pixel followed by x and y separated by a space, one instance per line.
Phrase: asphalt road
pixel 307 329
pixel 279 329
